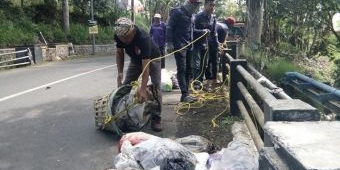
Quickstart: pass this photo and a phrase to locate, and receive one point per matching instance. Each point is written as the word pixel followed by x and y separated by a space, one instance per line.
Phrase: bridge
pixel 288 133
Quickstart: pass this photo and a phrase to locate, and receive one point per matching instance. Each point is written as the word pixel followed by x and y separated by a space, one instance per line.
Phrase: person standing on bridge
pixel 179 33
pixel 205 49
pixel 157 32
pixel 138 44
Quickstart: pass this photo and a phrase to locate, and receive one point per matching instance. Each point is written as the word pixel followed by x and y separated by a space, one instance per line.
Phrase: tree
pixel 255 18
pixel 66 17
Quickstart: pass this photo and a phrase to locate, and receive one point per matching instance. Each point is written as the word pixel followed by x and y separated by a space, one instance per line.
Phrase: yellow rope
pixel 135 84
pixel 203 97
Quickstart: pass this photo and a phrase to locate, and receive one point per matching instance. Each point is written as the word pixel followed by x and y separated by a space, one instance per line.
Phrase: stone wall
pixel 55 52
pixel 7 57
pixel 108 49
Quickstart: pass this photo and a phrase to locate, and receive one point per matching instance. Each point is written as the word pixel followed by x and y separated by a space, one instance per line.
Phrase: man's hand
pixel 206 31
pixel 119 79
pixel 169 48
pixel 142 95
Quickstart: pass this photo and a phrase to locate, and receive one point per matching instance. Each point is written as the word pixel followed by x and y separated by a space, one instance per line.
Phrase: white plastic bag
pixel 202 159
pixel 166 82
pixel 196 143
pixel 165 153
pixel 125 159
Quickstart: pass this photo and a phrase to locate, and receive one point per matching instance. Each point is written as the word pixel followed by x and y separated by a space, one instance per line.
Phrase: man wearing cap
pixel 157 33
pixel 138 44
pixel 179 34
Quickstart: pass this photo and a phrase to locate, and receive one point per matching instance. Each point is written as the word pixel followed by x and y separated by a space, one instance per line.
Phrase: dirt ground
pixel 197 120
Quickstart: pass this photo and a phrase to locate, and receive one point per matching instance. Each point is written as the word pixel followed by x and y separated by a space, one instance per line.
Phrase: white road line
pixel 55 82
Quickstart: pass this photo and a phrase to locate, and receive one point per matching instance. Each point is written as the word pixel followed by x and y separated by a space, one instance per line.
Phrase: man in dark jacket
pixel 179 34
pixel 138 44
pixel 206 49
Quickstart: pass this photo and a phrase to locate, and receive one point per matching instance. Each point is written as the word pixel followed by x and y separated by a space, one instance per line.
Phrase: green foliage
pixel 79 34
pixel 142 23
pixel 229 120
pixel 17 28
pixel 13 33
pixel 230 8
pixel 336 73
pixel 277 68
pixel 105 35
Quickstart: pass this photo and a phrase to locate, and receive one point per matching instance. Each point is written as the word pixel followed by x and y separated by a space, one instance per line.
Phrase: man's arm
pixel 198 27
pixel 120 60
pixel 145 76
pixel 120 65
pixel 171 24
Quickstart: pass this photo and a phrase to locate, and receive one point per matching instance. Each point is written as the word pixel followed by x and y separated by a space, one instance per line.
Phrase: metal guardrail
pixel 14 61
pixel 326 96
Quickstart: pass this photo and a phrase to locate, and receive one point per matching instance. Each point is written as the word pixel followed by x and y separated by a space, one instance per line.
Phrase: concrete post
pixel 235 77
pixel 292 110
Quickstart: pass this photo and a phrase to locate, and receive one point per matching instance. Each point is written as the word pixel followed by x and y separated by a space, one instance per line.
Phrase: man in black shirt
pixel 138 44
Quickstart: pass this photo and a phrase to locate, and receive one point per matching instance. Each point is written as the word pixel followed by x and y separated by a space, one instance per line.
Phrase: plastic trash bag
pixel 202 159
pixel 134 138
pixel 236 157
pixel 125 159
pixel 174 80
pixel 166 82
pixel 165 153
pixel 134 118
pixel 196 143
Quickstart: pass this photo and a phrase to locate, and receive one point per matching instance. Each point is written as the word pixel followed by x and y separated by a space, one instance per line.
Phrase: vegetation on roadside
pixel 296 36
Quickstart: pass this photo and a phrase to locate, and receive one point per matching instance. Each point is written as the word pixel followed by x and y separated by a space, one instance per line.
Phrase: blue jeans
pixel 183 71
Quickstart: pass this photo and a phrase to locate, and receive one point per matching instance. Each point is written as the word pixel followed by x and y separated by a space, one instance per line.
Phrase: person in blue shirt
pixel 179 33
pixel 205 50
pixel 158 32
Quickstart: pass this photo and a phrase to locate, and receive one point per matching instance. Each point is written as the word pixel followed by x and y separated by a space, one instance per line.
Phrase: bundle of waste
pixel 142 151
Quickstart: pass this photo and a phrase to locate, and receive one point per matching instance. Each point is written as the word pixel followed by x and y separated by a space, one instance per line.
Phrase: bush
pixel 79 34
pixel 277 69
pixel 142 23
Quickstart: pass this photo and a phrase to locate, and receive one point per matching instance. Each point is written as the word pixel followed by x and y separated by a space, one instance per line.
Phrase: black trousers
pixel 211 72
pixel 183 63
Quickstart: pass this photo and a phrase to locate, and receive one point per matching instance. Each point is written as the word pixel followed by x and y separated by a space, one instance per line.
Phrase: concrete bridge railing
pixel 287 132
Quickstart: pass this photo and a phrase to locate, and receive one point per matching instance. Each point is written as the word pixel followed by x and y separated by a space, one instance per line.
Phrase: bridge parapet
pixel 274 119
pixel 302 145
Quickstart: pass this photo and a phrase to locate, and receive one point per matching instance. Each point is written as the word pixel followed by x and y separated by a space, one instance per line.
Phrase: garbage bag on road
pixel 134 138
pixel 165 153
pixel 166 82
pixel 196 143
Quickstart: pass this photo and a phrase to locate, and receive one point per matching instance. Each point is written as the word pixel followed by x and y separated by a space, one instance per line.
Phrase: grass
pixel 229 120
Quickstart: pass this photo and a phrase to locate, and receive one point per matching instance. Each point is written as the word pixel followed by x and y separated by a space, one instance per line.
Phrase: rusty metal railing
pixel 26 59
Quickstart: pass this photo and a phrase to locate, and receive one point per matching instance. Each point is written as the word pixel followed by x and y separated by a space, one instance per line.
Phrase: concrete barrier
pixel 302 145
pixel 108 49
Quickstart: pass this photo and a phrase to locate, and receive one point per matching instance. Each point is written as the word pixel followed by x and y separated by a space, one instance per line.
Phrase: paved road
pixel 46 116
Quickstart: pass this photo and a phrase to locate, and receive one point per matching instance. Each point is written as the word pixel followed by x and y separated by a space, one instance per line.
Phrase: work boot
pixel 188 99
pixel 156 125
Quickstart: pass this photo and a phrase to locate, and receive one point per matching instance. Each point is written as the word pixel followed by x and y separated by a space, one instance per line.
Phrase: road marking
pixel 53 83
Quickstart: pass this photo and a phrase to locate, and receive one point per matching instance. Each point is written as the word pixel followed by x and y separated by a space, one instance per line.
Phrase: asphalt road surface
pixel 47 116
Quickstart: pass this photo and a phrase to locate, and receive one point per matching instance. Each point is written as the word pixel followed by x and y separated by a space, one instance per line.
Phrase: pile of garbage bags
pixel 142 151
